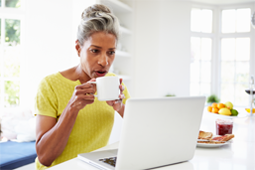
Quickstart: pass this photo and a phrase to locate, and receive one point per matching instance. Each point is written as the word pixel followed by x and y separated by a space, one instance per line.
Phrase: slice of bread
pixel 205 135
pixel 223 138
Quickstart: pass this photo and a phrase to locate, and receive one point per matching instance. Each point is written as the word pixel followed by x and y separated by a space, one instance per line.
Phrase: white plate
pixel 240 115
pixel 209 145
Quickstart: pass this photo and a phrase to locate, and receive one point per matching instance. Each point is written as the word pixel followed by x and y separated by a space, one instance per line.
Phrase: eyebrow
pixel 101 47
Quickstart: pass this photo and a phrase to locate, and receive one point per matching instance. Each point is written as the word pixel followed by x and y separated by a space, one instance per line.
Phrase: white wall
pixel 146 50
pixel 50 35
pixel 174 50
pixel 162 48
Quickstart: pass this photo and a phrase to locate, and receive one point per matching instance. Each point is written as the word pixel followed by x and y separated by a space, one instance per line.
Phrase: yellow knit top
pixel 94 122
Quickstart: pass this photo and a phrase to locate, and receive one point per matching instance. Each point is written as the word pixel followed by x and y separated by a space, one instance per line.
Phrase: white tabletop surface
pixel 238 155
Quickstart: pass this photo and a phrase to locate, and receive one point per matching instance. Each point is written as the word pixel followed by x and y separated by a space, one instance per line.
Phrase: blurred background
pixel 167 47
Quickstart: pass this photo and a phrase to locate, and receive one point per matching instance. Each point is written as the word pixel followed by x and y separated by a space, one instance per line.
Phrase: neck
pixel 81 75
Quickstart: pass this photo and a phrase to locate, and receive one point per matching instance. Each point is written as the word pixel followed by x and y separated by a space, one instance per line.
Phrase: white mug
pixel 107 88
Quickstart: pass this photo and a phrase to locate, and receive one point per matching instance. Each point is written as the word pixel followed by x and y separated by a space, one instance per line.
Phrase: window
pixel 200 72
pixel 235 54
pixel 236 20
pixel 201 20
pixel 225 70
pixel 10 50
pixel 201 51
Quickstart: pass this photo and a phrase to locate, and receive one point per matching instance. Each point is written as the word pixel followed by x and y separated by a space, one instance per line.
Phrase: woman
pixel 69 119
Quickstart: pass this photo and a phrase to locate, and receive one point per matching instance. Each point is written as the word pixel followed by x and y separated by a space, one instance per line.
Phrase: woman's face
pixel 97 54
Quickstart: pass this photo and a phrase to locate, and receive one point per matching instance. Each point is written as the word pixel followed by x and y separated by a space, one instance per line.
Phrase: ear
pixel 78 47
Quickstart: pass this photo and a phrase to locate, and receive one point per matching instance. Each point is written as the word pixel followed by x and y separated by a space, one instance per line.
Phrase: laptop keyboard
pixel 111 161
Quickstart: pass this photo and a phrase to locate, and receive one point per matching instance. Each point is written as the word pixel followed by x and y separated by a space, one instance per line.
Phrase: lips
pixel 101 73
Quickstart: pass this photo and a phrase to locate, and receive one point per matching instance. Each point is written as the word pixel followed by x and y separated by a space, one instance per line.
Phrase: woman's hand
pixel 83 94
pixel 117 104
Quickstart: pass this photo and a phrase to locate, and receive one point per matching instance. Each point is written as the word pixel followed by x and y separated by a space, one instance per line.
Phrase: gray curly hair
pixel 97 18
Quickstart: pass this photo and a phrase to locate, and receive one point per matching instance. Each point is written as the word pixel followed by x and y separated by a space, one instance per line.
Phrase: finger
pixel 89 98
pixel 92 80
pixel 122 88
pixel 85 97
pixel 88 84
pixel 94 85
pixel 84 102
pixel 121 80
pixel 85 91
pixel 117 102
pixel 84 86
pixel 122 96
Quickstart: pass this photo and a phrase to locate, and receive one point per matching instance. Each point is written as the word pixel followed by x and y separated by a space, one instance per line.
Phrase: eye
pixel 111 52
pixel 94 50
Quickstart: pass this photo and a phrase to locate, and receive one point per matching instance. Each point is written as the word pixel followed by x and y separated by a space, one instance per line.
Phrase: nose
pixel 103 60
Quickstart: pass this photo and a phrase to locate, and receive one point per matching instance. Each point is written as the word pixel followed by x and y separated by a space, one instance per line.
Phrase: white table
pixel 239 155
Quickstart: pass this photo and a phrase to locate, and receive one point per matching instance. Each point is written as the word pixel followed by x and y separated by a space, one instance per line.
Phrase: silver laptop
pixel 155 132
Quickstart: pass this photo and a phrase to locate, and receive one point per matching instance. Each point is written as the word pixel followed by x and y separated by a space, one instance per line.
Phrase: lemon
pixel 224 111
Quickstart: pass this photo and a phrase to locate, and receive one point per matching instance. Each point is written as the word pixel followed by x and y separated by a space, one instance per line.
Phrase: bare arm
pixel 52 135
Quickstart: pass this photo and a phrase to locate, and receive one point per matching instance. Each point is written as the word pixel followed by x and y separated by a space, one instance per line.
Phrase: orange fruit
pixel 209 108
pixel 215 105
pixel 215 110
pixel 221 105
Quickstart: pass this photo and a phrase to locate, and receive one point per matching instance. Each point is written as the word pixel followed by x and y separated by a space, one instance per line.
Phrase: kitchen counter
pixel 239 154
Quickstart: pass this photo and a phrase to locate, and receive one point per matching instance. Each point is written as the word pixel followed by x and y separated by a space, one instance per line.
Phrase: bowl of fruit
pixel 223 109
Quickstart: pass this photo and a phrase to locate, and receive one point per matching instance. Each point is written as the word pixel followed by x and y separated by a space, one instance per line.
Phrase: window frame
pixel 15 14
pixel 217 35
pixel 235 35
pixel 211 35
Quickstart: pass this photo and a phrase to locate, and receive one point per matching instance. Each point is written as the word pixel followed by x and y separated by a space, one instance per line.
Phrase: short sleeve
pixel 46 100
